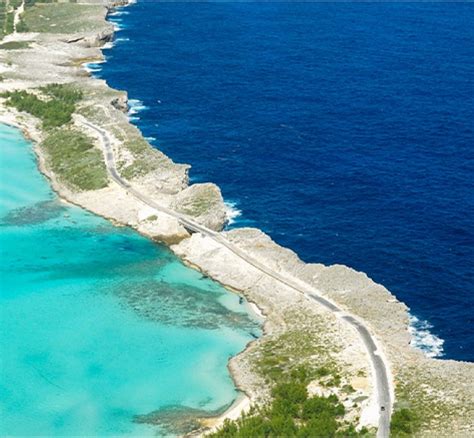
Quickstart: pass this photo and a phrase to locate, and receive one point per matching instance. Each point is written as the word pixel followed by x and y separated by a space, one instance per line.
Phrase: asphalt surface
pixel 379 366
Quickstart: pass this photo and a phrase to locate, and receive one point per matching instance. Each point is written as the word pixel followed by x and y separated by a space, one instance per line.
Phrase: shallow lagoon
pixel 99 326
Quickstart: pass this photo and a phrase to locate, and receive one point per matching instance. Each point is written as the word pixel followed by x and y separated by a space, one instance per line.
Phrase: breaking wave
pixel 135 106
pixel 422 339
pixel 93 67
pixel 118 13
pixel 232 212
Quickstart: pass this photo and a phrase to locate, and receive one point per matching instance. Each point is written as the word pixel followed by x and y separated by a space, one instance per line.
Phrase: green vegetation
pixel 142 158
pixel 203 200
pixel 21 26
pixel 73 158
pixel 62 92
pixel 3 12
pixel 283 355
pixel 14 45
pixel 146 159
pixel 29 3
pixel 15 3
pixel 288 362
pixel 7 16
pixel 60 17
pixel 348 389
pixel 54 108
pixel 416 408
pixel 139 167
pixel 70 154
pixel 404 423
pixel 9 22
pixel 293 413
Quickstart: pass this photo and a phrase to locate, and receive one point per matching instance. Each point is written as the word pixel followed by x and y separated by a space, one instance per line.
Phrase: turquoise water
pixel 98 324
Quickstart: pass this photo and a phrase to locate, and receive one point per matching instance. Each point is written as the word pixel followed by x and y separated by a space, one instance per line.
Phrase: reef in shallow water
pixel 33 214
pixel 177 420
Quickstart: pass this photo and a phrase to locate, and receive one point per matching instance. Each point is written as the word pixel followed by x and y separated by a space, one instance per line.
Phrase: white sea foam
pixel 150 139
pixel 134 107
pixel 423 339
pixel 232 212
pixel 92 67
pixel 117 25
pixel 118 13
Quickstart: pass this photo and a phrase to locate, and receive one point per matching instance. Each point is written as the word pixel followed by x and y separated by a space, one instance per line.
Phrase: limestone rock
pixel 99 39
pixel 120 102
pixel 160 226
pixel 169 179
pixel 204 203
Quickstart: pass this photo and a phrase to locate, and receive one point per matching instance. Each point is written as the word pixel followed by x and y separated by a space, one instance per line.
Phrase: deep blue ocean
pixel 344 130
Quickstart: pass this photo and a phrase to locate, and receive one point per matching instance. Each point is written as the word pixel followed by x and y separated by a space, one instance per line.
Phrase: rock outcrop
pixel 204 203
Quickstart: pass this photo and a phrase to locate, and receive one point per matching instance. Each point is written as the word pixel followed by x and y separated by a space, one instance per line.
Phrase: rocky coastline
pixel 442 390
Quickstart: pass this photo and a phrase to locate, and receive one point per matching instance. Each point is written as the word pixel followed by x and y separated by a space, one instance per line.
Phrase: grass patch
pixel 420 408
pixel 74 159
pixel 290 351
pixel 145 159
pixel 139 167
pixel 61 18
pixel 54 108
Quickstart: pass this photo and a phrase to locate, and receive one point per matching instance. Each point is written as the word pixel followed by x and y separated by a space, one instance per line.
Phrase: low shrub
pixel 404 423
pixel 74 159
pixel 292 413
pixel 54 110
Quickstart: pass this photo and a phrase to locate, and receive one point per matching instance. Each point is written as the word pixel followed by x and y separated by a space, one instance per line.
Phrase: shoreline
pixel 194 252
pixel 242 402
pixel 423 339
pixel 241 405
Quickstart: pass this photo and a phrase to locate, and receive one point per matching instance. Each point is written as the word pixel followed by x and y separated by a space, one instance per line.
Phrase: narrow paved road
pixel 378 364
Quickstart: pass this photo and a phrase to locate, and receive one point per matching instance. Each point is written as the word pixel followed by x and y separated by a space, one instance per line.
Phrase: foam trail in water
pixel 232 212
pixel 423 339
pixel 118 13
